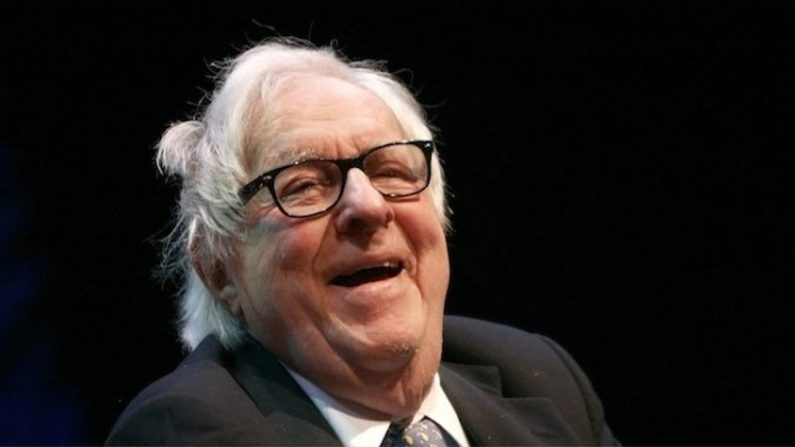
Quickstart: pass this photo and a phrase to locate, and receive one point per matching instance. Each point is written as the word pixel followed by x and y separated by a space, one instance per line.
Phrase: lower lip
pixel 373 292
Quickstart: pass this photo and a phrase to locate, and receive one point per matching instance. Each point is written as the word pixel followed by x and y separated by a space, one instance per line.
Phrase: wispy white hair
pixel 209 154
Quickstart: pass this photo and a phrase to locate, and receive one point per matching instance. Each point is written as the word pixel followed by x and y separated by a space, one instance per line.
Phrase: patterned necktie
pixel 424 433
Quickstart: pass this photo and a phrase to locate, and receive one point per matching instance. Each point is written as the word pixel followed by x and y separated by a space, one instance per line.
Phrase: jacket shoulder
pixel 470 340
pixel 529 365
pixel 193 404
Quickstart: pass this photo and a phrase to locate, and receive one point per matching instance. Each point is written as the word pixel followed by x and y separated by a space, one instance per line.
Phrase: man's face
pixel 359 291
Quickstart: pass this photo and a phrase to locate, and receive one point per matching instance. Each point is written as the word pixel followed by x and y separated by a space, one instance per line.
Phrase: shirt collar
pixel 355 430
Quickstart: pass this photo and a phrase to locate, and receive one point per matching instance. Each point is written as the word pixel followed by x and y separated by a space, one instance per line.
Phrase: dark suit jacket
pixel 508 387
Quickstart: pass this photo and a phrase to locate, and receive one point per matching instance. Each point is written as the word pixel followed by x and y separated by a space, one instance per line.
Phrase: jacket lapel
pixel 489 418
pixel 290 417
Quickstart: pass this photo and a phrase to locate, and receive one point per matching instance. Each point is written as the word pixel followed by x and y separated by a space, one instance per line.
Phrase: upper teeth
pixel 385 264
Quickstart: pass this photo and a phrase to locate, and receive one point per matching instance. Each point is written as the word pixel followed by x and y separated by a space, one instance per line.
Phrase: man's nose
pixel 361 206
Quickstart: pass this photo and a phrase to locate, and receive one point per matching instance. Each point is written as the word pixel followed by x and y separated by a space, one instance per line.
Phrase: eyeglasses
pixel 307 188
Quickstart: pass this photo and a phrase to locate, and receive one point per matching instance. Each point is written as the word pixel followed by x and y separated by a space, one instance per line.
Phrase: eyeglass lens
pixel 314 186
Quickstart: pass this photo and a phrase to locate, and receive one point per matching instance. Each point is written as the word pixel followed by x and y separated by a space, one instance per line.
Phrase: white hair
pixel 209 154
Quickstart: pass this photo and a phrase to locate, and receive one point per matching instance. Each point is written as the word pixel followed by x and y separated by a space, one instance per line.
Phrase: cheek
pixel 280 262
pixel 421 226
pixel 294 252
pixel 285 245
pixel 426 236
pixel 277 280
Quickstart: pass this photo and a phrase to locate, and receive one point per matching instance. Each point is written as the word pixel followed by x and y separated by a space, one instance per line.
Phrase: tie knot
pixel 424 433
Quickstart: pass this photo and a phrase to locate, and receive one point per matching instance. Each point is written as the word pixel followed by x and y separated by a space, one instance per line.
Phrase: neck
pixel 388 396
pixel 380 395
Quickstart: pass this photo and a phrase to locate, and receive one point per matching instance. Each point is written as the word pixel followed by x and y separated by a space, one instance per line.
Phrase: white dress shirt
pixel 355 430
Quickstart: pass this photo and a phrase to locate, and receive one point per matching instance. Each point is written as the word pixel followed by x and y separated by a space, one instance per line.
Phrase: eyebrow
pixel 289 156
pixel 298 154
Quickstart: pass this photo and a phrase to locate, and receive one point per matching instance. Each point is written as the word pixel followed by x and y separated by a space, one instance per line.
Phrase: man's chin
pixel 382 354
pixel 385 359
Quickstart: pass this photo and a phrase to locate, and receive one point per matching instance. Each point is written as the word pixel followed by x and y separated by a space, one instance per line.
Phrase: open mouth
pixel 370 274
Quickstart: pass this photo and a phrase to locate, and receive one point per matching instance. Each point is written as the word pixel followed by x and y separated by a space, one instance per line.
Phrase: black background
pixel 617 173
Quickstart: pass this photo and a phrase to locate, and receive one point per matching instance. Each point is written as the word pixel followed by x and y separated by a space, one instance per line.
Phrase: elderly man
pixel 311 239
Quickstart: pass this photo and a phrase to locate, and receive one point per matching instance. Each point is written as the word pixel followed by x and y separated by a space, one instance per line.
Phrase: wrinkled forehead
pixel 318 117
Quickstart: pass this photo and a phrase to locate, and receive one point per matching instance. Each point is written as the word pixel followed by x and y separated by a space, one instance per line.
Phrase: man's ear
pixel 218 280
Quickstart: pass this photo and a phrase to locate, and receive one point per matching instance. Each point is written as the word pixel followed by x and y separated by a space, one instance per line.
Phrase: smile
pixel 365 275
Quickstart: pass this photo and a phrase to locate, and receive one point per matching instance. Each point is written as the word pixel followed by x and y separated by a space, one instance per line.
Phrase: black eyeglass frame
pixel 249 190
